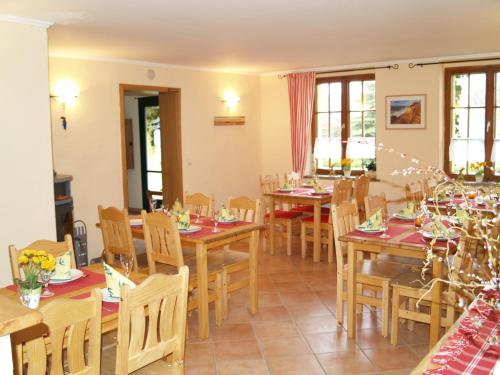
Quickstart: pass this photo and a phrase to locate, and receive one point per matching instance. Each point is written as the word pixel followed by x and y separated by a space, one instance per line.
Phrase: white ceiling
pixel 256 36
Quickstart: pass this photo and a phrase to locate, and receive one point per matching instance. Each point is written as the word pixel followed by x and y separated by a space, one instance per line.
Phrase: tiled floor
pixel 294 332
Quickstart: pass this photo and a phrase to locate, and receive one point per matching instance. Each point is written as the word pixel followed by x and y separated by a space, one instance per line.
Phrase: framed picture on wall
pixel 405 112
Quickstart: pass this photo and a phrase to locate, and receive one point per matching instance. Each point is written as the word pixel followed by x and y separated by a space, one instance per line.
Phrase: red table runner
pixel 417 238
pixel 392 231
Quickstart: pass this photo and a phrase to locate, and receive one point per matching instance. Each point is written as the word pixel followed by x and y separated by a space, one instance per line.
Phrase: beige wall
pixel 134 175
pixel 222 160
pixel 27 193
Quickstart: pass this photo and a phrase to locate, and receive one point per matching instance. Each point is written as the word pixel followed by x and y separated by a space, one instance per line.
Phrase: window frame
pixel 490 71
pixel 344 113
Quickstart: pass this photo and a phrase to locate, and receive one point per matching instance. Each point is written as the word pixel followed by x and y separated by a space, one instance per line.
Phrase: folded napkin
pixel 317 187
pixel 184 220
pixel 63 267
pixel 373 223
pixel 287 186
pixel 408 211
pixel 226 215
pixel 114 281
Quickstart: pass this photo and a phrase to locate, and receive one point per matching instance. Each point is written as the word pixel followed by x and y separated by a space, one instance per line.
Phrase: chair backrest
pixel 51 247
pixel 342 191
pixel 268 184
pixel 145 338
pixel 345 218
pixel 116 233
pixel 429 184
pixel 198 201
pixel 68 323
pixel 361 188
pixel 163 243
pixel 245 209
pixel 375 203
pixel 413 192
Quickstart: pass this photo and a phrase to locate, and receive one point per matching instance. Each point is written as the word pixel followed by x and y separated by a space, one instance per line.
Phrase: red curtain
pixel 301 87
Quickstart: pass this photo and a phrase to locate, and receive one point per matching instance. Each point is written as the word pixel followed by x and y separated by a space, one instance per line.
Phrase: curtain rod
pixel 414 65
pixel 394 66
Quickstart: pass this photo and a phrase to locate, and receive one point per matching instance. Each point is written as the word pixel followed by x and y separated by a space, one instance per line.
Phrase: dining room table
pixel 299 196
pixel 207 239
pixel 403 240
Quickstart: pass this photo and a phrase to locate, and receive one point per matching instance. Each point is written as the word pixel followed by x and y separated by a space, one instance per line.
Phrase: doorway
pixel 151 145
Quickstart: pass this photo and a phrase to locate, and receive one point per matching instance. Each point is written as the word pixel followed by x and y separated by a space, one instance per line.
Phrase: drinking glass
pixel 197 210
pixel 45 278
pixel 215 216
pixel 385 223
pixel 152 205
pixel 127 261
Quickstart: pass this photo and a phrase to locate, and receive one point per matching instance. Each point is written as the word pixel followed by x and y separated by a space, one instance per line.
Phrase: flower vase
pixel 479 178
pixel 347 172
pixel 31 297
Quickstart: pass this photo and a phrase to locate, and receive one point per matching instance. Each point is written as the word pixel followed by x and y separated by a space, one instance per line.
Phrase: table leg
pixel 202 275
pixel 272 238
pixel 317 231
pixel 437 273
pixel 351 291
pixel 253 291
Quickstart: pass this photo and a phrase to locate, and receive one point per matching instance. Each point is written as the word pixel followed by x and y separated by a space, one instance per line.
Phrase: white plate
pixel 233 220
pixel 107 298
pixel 285 190
pixel 320 193
pixel 305 184
pixel 401 217
pixel 191 229
pixel 429 235
pixel 75 275
pixel 135 222
pixel 370 230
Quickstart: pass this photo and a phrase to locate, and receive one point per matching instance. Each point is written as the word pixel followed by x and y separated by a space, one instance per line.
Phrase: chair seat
pixel 310 209
pixel 382 270
pixel 280 214
pixel 310 219
pixel 212 268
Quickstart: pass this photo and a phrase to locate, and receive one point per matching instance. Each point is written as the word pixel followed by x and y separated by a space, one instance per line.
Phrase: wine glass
pixel 197 210
pixel 127 261
pixel 152 205
pixel 45 278
pixel 385 223
pixel 215 216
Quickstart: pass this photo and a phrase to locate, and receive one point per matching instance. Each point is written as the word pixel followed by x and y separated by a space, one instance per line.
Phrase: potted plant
pixel 478 168
pixel 346 166
pixel 371 168
pixel 35 267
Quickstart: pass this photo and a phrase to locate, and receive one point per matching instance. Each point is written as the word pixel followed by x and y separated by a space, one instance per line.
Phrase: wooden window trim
pixel 490 71
pixel 344 80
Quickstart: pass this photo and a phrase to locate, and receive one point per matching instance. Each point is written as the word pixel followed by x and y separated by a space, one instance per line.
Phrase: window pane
pixel 355 122
pixel 478 90
pixel 497 86
pixel 355 92
pixel 368 95
pixel 455 167
pixel 497 123
pixel 460 90
pixel 322 98
pixel 154 181
pixel 476 123
pixel 369 122
pixel 335 125
pixel 459 123
pixel 322 121
pixel 335 96
pixel 153 138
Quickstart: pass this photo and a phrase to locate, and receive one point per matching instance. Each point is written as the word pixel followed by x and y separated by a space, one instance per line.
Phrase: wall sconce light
pixel 231 99
pixel 66 92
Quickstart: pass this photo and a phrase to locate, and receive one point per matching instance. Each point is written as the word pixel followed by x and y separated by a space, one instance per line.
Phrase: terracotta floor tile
pixel 330 342
pixel 284 346
pixel 318 324
pixel 344 363
pixel 308 309
pixel 236 350
pixel 238 315
pixel 298 298
pixel 248 367
pixel 269 299
pixel 233 332
pixel 273 329
pixel 372 338
pixel 266 313
pixel 321 285
pixel 392 358
pixel 291 286
pixel 198 354
pixel 285 277
pixel 200 370
pixel 296 365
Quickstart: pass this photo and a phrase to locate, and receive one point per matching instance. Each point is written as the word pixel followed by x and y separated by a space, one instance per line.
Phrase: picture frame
pixel 405 111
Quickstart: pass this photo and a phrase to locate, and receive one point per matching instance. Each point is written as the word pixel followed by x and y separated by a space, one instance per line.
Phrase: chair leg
pixel 330 245
pixel 289 235
pixel 385 308
pixel 411 307
pixel 395 315
pixel 303 244
pixel 340 298
pixel 359 292
pixel 225 295
pixel 221 299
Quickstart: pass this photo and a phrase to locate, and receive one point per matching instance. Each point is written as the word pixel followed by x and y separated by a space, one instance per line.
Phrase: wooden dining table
pixel 206 240
pixel 305 196
pixel 407 243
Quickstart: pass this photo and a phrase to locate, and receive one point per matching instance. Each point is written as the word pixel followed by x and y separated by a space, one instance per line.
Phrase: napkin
pixel 226 215
pixel 408 211
pixel 114 281
pixel 373 223
pixel 184 220
pixel 287 186
pixel 177 207
pixel 317 187
pixel 63 267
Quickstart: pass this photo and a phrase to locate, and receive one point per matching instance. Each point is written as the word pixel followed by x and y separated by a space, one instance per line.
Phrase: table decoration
pixel 346 166
pixel 114 281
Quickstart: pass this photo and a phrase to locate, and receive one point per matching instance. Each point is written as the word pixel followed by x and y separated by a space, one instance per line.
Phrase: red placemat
pixel 393 231
pixel 92 278
pixel 238 223
pixel 395 220
pixel 417 238
pixel 108 308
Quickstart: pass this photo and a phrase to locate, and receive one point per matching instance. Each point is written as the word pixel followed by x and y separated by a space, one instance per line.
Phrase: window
pixel 344 108
pixel 472 118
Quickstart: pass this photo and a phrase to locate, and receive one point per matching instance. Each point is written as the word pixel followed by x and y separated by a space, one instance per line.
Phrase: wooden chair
pixel 414 193
pixel 51 247
pixel 143 337
pixel 233 261
pixel 429 184
pixel 370 274
pixel 405 293
pixel 374 203
pixel 342 191
pixel 361 188
pixel 163 246
pixel 287 221
pixel 116 234
pixel 195 201
pixel 67 325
